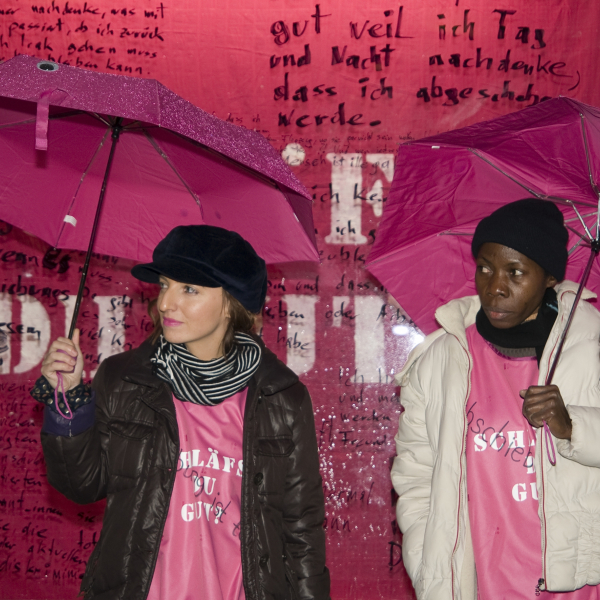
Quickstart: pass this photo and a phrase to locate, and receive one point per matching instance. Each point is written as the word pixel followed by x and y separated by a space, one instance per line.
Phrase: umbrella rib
pixel 85 172
pixel 579 235
pixel 33 119
pixel 581 221
pixel 129 127
pixel 593 214
pixel 166 159
pixel 69 113
pixel 536 194
pixel 489 162
pixel 575 246
pixel 582 238
pixel 578 218
pixel 454 233
pixel 134 126
pixel 566 201
pixel 577 213
pixel 587 154
pixel 102 119
pixel 589 166
pixel 7 125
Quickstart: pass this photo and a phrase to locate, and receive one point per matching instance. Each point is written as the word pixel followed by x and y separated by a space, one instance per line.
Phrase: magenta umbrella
pixel 109 163
pixel 445 184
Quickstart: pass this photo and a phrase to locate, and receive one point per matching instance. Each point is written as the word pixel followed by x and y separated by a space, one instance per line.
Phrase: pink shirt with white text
pixel 501 481
pixel 199 556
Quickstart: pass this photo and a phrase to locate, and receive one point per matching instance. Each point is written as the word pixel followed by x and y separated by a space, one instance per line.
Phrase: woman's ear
pixel 551 281
pixel 226 305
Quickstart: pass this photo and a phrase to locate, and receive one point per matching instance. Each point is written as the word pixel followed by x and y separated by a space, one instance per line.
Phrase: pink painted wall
pixel 335 87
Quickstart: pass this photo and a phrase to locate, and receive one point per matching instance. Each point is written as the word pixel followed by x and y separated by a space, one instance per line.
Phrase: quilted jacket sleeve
pixel 584 445
pixel 304 510
pixel 76 465
pixel 578 378
pixel 412 474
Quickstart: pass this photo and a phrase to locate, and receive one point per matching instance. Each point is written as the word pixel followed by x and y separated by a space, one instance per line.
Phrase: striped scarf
pixel 206 382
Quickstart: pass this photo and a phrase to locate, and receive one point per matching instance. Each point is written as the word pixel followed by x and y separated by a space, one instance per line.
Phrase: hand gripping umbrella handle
pixel 584 279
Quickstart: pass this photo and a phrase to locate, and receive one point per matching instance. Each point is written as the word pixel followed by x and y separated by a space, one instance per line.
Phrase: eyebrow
pixel 511 263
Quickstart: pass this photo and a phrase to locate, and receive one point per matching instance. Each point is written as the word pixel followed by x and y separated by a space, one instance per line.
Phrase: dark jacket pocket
pixel 126 448
pixel 275 446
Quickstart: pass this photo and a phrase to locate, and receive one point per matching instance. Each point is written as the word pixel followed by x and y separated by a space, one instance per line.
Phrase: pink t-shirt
pixel 501 483
pixel 199 556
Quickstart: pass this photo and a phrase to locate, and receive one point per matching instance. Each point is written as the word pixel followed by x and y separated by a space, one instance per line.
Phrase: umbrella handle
pixel 69 414
pixel 549 444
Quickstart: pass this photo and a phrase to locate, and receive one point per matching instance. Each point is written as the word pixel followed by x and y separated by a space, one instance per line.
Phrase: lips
pixel 170 322
pixel 496 314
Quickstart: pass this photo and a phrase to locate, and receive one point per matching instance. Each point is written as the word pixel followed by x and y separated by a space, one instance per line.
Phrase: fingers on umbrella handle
pixel 66 369
pixel 72 365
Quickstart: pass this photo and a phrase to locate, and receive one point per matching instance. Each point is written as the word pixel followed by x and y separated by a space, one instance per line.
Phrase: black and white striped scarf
pixel 206 382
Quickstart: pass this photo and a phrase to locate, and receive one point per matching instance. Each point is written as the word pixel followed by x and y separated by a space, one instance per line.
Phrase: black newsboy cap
pixel 211 257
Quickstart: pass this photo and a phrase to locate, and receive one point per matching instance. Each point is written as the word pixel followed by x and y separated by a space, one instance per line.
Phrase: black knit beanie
pixel 532 227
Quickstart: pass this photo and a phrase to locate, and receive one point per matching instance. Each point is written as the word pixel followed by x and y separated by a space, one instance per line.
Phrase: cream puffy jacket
pixel 429 472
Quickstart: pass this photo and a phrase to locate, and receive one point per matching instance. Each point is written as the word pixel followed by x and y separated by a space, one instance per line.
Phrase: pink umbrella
pixel 445 184
pixel 154 160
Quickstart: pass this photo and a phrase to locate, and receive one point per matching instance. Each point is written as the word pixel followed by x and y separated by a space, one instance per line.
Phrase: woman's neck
pixel 205 350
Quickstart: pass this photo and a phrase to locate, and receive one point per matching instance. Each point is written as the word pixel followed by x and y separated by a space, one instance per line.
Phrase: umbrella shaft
pixel 586 274
pixel 116 130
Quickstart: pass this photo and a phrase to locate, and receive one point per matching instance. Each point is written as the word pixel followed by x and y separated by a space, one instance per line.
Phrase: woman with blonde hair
pixel 201 440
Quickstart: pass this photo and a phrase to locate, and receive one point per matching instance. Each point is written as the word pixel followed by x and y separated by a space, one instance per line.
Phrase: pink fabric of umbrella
pixel 445 184
pixel 174 164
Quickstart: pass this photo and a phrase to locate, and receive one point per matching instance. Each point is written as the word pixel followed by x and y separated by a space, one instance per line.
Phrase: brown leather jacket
pixel 130 457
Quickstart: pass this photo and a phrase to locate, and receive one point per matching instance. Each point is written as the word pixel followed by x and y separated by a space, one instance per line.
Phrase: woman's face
pixel 510 285
pixel 193 315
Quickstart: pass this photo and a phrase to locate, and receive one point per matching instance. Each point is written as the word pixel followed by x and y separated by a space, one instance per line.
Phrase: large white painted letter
pixel 369 354
pixel 300 335
pixel 348 194
pixel 34 344
pixel 5 317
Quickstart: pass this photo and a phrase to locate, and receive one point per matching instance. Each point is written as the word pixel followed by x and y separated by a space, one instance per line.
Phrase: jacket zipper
pixel 249 579
pixel 164 520
pixel 160 534
pixel 543 500
pixel 541 584
pixel 461 499
pixel 538 591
